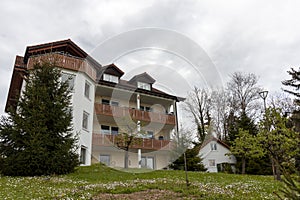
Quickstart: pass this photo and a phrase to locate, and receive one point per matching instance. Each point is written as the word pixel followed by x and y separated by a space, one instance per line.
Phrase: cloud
pixel 254 36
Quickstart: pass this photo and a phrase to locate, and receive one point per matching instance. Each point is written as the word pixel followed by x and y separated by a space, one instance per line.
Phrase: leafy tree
pixel 36 138
pixel 292 185
pixel 246 146
pixel 280 142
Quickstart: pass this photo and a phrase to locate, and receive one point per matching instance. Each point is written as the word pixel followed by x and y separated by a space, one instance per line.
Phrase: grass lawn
pixel 92 182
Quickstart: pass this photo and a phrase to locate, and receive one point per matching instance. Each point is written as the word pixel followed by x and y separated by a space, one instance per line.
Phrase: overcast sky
pixel 211 39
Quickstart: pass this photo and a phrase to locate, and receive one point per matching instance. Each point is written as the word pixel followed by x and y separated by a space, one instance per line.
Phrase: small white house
pixel 215 156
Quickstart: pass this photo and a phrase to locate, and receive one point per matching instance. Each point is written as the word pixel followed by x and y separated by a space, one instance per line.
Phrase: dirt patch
pixel 145 195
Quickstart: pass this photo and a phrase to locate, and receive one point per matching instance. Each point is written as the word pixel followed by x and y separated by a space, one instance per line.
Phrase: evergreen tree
pixel 36 138
pixel 193 161
pixel 294 82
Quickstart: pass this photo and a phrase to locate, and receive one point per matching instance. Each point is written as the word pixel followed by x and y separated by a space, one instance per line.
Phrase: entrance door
pixel 147 162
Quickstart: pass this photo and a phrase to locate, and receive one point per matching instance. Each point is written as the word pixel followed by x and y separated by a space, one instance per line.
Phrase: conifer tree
pixel 193 161
pixel 294 82
pixel 36 138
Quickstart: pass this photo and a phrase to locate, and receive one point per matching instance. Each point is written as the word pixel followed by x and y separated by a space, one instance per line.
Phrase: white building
pixel 215 155
pixel 101 100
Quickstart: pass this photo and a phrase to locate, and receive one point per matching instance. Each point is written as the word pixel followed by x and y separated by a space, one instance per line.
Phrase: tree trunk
pixel 277 169
pixel 278 174
pixel 243 165
pixel 126 160
pixel 273 167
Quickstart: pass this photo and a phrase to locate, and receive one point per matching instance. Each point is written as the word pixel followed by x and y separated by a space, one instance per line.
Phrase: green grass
pixel 87 182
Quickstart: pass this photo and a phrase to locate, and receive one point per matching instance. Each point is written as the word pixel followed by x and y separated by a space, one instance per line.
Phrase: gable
pixel 220 155
pixel 112 69
pixel 144 78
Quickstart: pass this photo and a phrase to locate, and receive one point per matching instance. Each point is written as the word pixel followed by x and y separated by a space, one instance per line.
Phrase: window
pixel 85 120
pixel 145 86
pixel 108 102
pixel 213 146
pixel 70 79
pixel 114 130
pixel 114 103
pixel 105 101
pixel 83 155
pixel 87 87
pixel 105 159
pixel 146 108
pixel 105 129
pixel 110 78
pixel 212 163
pixel 150 134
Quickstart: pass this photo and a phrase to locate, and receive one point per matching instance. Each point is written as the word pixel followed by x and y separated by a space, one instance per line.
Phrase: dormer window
pixel 110 78
pixel 145 86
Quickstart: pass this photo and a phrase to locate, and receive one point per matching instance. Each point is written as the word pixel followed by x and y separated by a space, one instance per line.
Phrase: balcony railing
pixel 115 111
pixel 64 61
pixel 137 143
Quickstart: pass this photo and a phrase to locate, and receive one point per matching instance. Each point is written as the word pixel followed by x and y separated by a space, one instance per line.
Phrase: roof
pixel 123 84
pixel 111 69
pixel 143 77
pixel 69 48
pixel 212 138
pixel 65 46
pixel 16 83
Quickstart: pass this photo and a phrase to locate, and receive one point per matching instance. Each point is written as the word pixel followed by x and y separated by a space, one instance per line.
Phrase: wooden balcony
pixel 115 111
pixel 66 62
pixel 137 143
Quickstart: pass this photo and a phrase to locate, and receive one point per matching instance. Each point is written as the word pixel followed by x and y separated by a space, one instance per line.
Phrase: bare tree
pixel 128 136
pixel 243 91
pixel 284 102
pixel 219 112
pixel 198 104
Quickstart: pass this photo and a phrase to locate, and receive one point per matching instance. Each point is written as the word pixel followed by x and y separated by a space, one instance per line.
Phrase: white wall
pixel 218 155
pixel 80 104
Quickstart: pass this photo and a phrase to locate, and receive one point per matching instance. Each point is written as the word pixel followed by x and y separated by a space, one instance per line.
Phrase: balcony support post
pixel 138 101
pixel 139 158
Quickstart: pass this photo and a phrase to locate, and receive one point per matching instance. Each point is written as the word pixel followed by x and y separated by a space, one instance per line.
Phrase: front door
pixel 147 162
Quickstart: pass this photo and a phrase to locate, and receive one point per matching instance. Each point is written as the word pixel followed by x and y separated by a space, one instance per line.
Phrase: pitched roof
pixel 16 83
pixel 69 48
pixel 65 46
pixel 143 77
pixel 111 69
pixel 212 138
pixel 123 84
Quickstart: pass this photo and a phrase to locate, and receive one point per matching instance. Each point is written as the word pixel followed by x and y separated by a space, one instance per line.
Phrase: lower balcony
pixel 137 143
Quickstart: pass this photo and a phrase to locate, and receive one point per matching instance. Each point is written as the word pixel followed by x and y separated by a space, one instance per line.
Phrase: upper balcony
pixel 137 143
pixel 66 62
pixel 116 111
